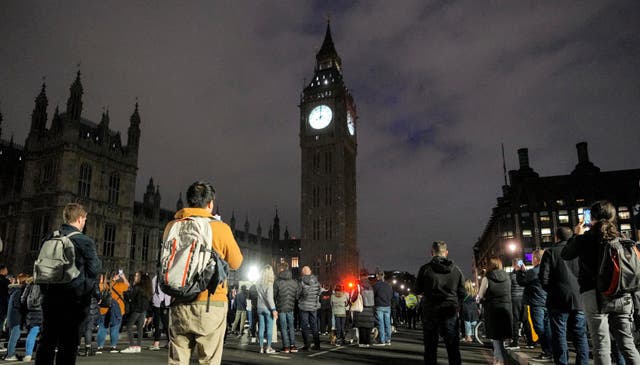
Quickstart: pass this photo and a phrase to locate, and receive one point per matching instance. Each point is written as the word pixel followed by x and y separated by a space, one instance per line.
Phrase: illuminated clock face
pixel 320 117
pixel 350 125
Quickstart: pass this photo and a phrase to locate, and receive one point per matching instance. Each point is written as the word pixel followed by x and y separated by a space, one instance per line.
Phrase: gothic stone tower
pixel 328 142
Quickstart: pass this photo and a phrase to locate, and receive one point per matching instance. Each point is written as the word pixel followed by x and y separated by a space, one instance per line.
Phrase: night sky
pixel 438 86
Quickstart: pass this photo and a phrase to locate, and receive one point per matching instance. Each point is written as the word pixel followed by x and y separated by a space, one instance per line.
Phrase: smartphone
pixel 520 263
pixel 586 217
pixel 120 272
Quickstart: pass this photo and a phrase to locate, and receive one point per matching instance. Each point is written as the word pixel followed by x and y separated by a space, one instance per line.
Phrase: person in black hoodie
pixel 535 301
pixel 603 314
pixel 517 310
pixel 285 291
pixel 495 295
pixel 139 297
pixel 325 310
pixel 65 306
pixel 560 279
pixel 442 284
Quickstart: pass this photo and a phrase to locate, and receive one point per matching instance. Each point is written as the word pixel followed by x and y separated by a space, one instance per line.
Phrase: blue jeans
pixel 265 319
pixel 309 325
pixel 558 321
pixel 31 340
pixel 384 323
pixel 115 319
pixel 14 336
pixel 468 327
pixel 287 329
pixel 435 326
pixel 540 321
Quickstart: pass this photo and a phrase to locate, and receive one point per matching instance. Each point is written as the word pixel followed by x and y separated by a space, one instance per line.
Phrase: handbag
pixel 357 305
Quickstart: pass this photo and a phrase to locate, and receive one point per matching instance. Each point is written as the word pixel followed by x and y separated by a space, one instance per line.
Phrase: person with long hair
pixel 470 312
pixel 604 315
pixel 495 293
pixel 267 312
pixel 14 315
pixel 139 297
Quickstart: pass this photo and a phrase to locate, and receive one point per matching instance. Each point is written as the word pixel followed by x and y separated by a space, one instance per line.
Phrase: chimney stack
pixel 523 156
pixel 583 152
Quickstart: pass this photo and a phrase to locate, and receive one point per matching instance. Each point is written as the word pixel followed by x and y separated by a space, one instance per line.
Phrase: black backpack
pixel 619 270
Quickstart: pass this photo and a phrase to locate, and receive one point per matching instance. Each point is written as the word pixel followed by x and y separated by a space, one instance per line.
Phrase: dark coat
pixel 241 300
pixel 87 262
pixel 138 301
pixel 14 312
pixel 325 300
pixel 33 314
pixel 309 293
pixel 285 291
pixel 517 290
pixel 4 296
pixel 497 305
pixel 560 279
pixel 364 319
pixel 383 294
pixel 469 311
pixel 442 284
pixel 534 294
pixel 587 248
pixel 253 298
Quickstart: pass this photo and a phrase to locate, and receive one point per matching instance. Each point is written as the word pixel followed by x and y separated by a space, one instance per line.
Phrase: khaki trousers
pixel 190 325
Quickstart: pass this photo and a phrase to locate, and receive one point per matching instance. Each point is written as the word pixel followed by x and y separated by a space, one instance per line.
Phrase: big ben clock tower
pixel 328 140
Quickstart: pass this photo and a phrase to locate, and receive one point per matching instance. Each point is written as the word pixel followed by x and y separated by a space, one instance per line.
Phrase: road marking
pixel 331 350
pixel 281 357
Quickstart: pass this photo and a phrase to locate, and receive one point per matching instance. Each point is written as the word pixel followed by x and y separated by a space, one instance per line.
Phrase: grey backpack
pixel 56 263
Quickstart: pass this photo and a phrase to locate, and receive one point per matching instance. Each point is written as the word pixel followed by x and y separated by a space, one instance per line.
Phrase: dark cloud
pixel 438 86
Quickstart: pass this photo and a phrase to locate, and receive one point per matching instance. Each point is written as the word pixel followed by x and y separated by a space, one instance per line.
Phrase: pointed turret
pixel 74 103
pixel 276 227
pixel 133 135
pixel 179 203
pixel 39 115
pixel 286 233
pixel 56 123
pixel 327 56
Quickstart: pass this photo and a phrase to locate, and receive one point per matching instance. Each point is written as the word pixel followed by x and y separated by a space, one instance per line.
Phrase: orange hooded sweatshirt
pixel 223 243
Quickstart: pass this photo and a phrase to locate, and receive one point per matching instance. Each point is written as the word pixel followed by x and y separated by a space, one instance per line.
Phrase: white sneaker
pixel 26 358
pixel 269 350
pixel 11 358
pixel 131 350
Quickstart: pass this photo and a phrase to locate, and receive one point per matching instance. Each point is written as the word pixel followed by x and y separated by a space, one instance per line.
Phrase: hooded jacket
pixel 442 284
pixel 497 302
pixel 309 293
pixel 534 294
pixel 286 290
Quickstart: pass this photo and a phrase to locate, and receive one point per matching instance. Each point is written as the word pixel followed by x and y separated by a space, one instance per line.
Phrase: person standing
pixel 267 312
pixel 441 283
pixel 241 311
pixel 4 298
pixel 202 322
pixel 309 304
pixel 495 294
pixel 160 306
pixel 14 315
pixel 411 303
pixel 603 314
pixel 535 300
pixel 325 310
pixel 285 291
pixel 139 297
pixel 517 310
pixel 470 311
pixel 111 317
pixel 560 279
pixel 32 302
pixel 339 301
pixel 65 306
pixel 383 293
pixel 364 320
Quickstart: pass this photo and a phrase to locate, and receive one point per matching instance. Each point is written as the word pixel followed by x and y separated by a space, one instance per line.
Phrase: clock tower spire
pixel 328 144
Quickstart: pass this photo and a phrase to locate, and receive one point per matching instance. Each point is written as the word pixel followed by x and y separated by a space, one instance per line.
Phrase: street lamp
pixel 402 286
pixel 395 281
pixel 253 275
pixel 512 246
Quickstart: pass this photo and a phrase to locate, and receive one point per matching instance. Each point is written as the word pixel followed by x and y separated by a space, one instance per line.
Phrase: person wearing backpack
pixel 138 297
pixel 603 313
pixel 201 321
pixel 65 305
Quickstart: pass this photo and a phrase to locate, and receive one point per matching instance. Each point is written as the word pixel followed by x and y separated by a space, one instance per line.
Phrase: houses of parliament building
pixel 73 159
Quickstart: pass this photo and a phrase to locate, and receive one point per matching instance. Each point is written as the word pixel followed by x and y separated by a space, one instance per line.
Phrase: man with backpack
pixel 65 304
pixel 606 313
pixel 198 321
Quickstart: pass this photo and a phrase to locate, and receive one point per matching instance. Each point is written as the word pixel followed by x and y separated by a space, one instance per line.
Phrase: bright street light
pixel 402 286
pixel 512 247
pixel 394 281
pixel 253 274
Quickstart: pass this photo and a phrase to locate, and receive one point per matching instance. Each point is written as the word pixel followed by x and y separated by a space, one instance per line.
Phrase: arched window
pixel 84 183
pixel 108 249
pixel 114 188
